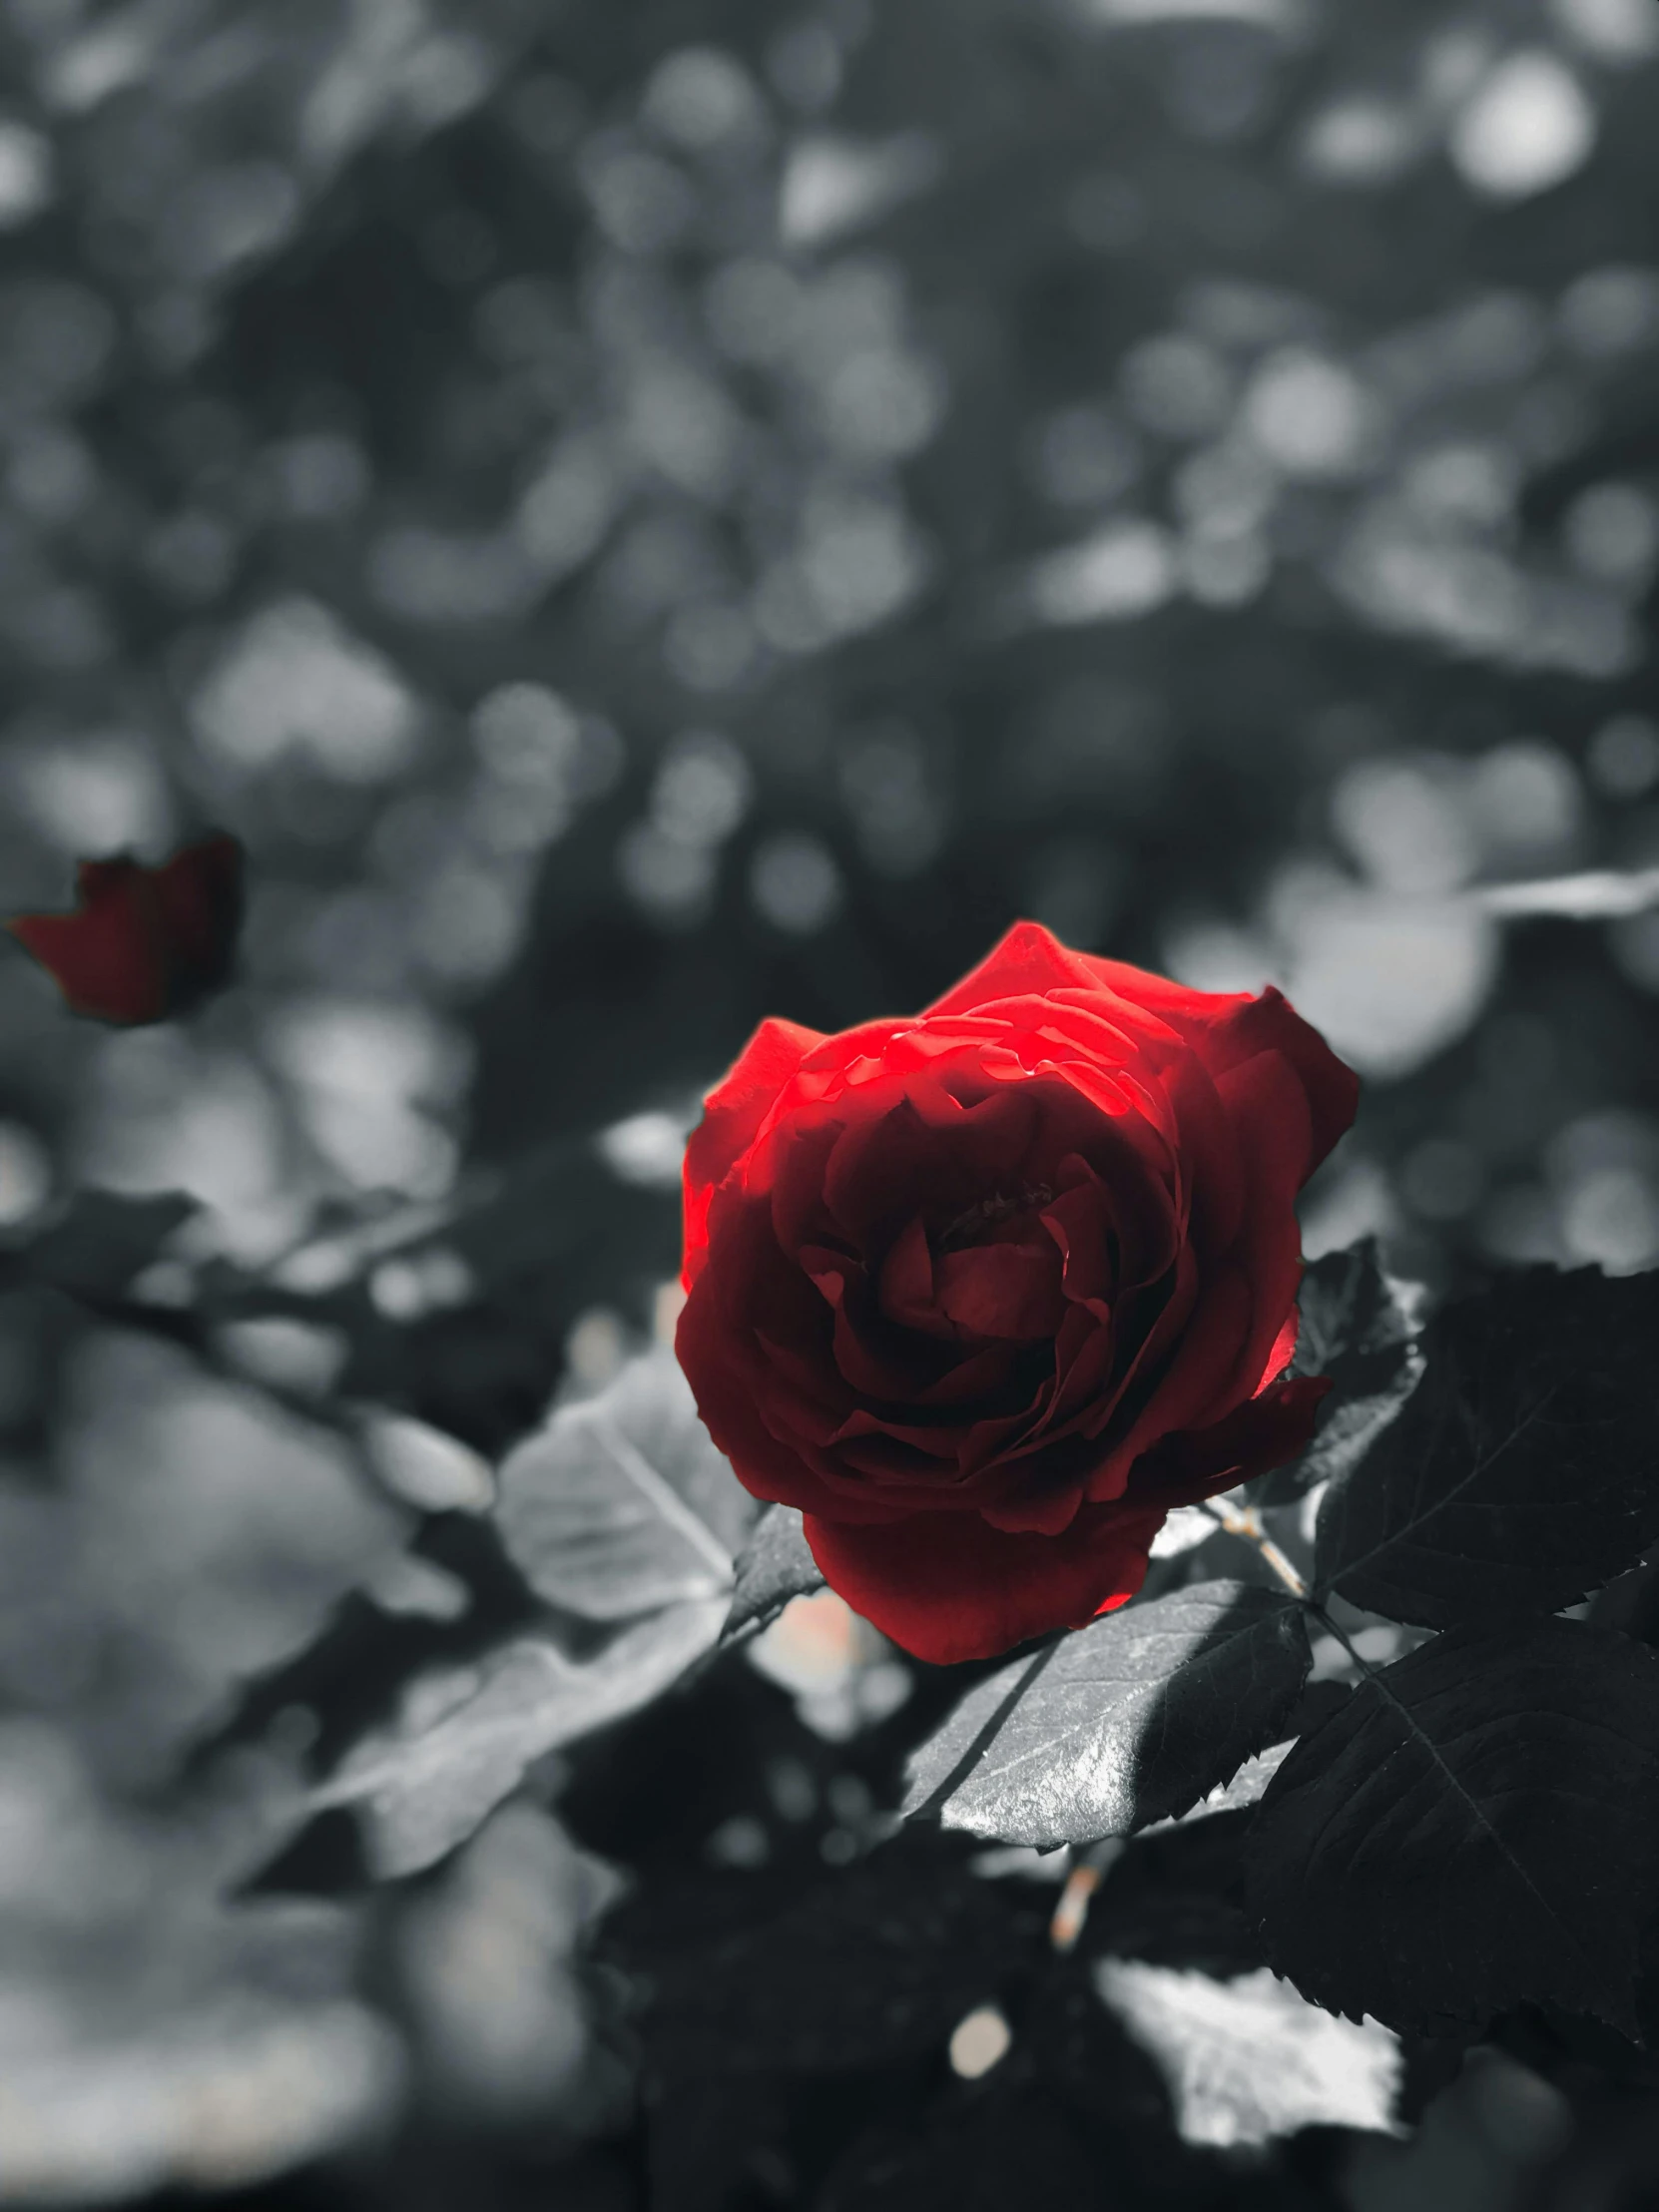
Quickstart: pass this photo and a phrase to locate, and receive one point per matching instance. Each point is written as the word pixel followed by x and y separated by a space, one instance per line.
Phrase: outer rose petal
pixel 947 1586
pixel 732 1115
pixel 1267 1431
pixel 1024 963
pixel 1224 1026
pixel 1227 1027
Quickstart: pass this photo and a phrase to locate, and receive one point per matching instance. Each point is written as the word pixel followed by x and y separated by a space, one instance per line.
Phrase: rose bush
pixel 987 1291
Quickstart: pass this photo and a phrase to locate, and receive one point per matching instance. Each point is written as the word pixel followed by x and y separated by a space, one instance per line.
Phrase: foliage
pixel 1405 1842
pixel 642 518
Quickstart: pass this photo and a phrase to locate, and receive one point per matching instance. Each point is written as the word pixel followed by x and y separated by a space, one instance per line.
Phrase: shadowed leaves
pixel 1521 1473
pixel 1357 1329
pixel 421 1787
pixel 622 1504
pixel 102 1240
pixel 621 1519
pixel 874 1966
pixel 1473 1830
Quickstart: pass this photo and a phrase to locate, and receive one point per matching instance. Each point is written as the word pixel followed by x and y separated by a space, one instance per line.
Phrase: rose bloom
pixel 987 1291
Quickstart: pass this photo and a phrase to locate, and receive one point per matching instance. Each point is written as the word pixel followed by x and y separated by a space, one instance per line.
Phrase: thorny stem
pixel 1246 1522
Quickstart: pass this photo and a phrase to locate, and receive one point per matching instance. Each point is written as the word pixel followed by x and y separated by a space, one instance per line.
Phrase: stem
pixel 1085 1878
pixel 1245 1523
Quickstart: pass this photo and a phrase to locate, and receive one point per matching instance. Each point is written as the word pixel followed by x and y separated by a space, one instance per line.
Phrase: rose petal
pixel 732 1117
pixel 1026 960
pixel 1268 1432
pixel 946 1586
pixel 1225 1028
pixel 1002 1290
pixel 906 1288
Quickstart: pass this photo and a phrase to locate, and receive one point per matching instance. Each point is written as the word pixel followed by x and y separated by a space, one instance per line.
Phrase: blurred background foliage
pixel 645 517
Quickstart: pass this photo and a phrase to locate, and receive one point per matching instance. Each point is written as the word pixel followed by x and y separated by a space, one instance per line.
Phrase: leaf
pixel 102 1240
pixel 1358 1328
pixel 349 1677
pixel 774 1566
pixel 873 1967
pixel 419 1790
pixel 1522 1472
pixel 1014 2142
pixel 1175 1897
pixel 710 2141
pixel 623 1504
pixel 1130 1720
pixel 1248 1787
pixel 1247 2059
pixel 1477 1828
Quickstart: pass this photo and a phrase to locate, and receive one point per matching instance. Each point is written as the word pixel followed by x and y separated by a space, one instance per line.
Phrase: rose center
pixel 979 1220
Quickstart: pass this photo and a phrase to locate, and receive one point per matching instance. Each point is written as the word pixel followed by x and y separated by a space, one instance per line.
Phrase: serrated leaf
pixel 774 1566
pixel 1522 1472
pixel 1247 2059
pixel 622 1504
pixel 1352 1314
pixel 1130 1720
pixel 1175 1897
pixel 1477 1828
pixel 1247 1788
pixel 1359 1329
pixel 352 1673
pixel 420 1788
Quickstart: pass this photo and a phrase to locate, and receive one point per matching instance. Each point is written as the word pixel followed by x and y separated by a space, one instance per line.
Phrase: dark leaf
pixel 104 1240
pixel 711 2143
pixel 1523 1470
pixel 774 1566
pixel 1358 1328
pixel 875 1966
pixel 351 1674
pixel 144 943
pixel 1175 1897
pixel 467 1736
pixel 1130 1720
pixel 1355 1320
pixel 1477 1828
pixel 1011 2143
pixel 622 1504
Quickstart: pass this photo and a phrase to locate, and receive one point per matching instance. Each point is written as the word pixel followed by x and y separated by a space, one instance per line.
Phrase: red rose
pixel 144 943
pixel 987 1291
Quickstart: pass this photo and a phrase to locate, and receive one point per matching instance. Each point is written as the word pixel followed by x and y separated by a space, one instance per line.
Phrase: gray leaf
pixel 420 1788
pixel 774 1566
pixel 622 1504
pixel 1128 1721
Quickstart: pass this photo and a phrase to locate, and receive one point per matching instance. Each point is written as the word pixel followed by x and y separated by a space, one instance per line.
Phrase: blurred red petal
pixel 144 943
